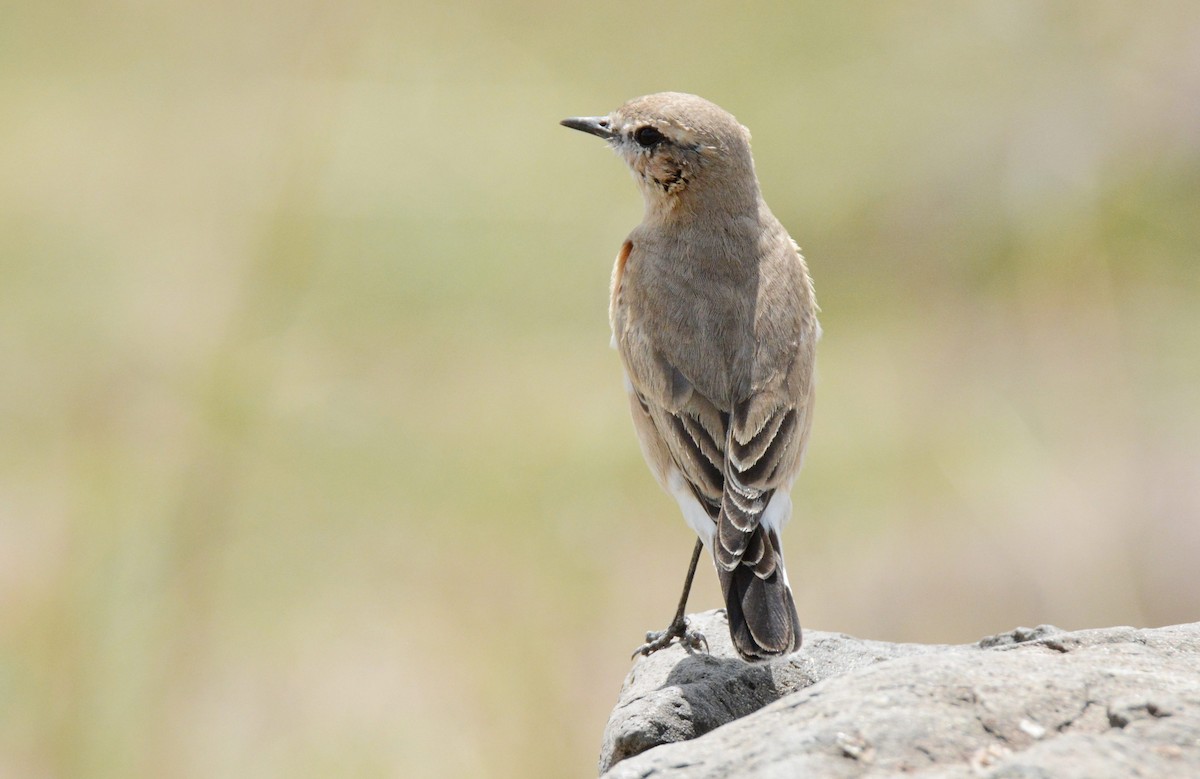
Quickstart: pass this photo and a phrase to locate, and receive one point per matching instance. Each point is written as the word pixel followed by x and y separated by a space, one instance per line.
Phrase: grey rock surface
pixel 1115 702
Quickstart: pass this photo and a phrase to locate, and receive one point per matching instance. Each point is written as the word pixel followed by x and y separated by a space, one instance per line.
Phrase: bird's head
pixel 682 150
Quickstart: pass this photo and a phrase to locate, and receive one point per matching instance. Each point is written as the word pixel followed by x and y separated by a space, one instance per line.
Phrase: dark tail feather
pixel 762 614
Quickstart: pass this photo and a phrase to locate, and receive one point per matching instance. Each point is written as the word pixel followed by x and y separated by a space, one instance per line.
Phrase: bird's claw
pixel 691 640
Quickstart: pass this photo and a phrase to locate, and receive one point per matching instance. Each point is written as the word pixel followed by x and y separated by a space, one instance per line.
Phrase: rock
pixel 1040 702
pixel 677 695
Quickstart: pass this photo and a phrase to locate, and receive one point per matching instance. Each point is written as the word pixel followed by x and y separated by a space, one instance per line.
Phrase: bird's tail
pixel 763 622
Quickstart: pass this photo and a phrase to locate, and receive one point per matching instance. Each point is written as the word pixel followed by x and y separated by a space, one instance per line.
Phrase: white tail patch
pixel 693 513
pixel 776 515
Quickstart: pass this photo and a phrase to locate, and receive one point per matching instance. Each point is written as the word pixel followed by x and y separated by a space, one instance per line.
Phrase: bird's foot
pixel 691 640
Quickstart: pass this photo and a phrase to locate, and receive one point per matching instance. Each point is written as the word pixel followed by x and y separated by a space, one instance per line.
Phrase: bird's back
pixel 727 308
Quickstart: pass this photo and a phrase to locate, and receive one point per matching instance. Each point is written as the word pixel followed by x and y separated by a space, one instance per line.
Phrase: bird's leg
pixel 692 639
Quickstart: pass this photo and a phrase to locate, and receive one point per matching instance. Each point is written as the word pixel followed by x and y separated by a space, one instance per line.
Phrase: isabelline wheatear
pixel 713 313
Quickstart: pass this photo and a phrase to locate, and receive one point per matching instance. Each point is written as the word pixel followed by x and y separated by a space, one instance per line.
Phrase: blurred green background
pixel 315 459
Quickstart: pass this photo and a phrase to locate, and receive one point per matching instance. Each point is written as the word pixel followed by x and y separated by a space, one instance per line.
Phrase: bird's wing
pixel 733 460
pixel 764 445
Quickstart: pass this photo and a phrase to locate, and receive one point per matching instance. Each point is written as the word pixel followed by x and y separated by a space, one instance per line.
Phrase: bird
pixel 714 316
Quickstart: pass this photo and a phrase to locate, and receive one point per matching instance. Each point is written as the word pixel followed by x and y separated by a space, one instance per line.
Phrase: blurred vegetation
pixel 315 460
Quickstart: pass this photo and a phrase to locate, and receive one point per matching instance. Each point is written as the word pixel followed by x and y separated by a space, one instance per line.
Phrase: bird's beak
pixel 596 125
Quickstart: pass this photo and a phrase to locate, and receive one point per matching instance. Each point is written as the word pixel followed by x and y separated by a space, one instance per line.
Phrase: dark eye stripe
pixel 647 136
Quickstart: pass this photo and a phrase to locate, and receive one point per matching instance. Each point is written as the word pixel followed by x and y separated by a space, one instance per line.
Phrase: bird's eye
pixel 647 136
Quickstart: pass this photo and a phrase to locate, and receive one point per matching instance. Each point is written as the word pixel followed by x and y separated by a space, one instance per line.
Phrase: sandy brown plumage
pixel 713 314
